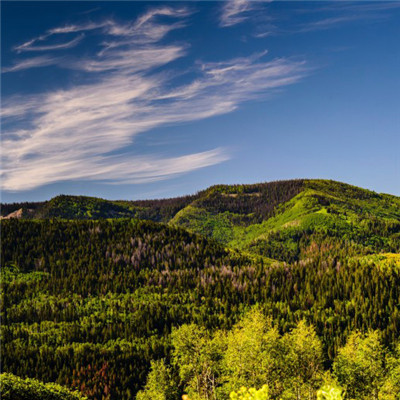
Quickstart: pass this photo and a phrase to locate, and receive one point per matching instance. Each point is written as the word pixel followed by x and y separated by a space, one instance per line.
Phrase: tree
pixel 252 353
pixel 359 366
pixel 94 382
pixel 197 358
pixel 159 385
pixel 390 390
pixel 302 361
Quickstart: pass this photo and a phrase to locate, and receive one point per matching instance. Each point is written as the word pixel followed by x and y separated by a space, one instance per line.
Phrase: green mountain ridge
pixel 283 220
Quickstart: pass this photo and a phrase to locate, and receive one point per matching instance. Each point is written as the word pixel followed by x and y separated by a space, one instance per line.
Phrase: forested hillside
pixel 294 285
pixel 284 220
pixel 291 220
pixel 15 388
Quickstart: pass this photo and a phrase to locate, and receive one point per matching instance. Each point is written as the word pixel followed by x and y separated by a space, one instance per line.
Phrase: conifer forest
pixel 282 290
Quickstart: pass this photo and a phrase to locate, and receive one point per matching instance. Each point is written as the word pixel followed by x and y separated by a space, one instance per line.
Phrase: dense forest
pixel 285 290
pixel 16 388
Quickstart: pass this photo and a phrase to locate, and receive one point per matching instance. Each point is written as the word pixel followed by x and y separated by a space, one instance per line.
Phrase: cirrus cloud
pixel 82 132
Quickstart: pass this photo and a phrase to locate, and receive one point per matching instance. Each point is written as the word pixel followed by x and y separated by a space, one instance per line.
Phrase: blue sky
pixel 130 100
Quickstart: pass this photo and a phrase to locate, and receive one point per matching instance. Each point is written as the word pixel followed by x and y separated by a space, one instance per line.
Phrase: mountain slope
pixel 308 216
pixel 283 220
pixel 84 207
pixel 90 303
pixel 101 295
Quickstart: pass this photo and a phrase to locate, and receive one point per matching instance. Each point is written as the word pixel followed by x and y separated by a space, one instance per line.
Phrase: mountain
pixel 68 207
pixel 283 220
pixel 289 220
pixel 93 291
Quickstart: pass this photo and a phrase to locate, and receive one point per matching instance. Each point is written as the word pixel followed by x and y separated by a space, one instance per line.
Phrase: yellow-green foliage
pixel 330 393
pixel 250 394
pixel 360 365
pixel 201 221
pixel 159 385
pixel 326 393
pixel 251 347
pixel 16 388
pixel 12 274
pixel 252 354
pixel 382 261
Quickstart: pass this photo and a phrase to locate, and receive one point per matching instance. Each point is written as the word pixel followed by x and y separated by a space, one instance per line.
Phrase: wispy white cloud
pixel 345 12
pixel 328 23
pixel 34 62
pixel 234 12
pixel 80 133
pixel 111 170
pixel 144 30
pixel 30 46
pixel 74 28
pixel 130 59
pixel 91 10
pixel 360 6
